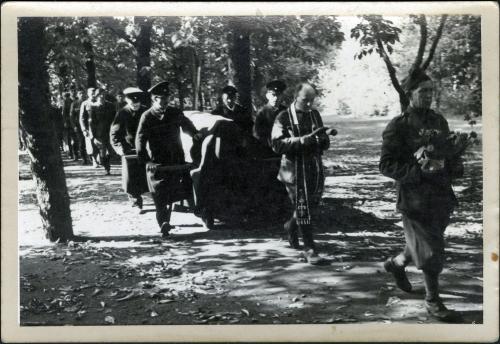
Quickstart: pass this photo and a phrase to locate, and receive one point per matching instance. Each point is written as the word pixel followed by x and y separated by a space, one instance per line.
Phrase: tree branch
pixel 403 99
pixel 120 33
pixel 439 32
pixel 423 41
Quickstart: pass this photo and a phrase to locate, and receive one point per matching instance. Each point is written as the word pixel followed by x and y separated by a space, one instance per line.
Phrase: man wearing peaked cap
pixel 229 108
pixel 266 115
pixel 122 137
pixel 160 88
pixel 159 127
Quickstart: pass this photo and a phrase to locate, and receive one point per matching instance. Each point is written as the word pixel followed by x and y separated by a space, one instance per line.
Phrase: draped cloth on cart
pixel 218 181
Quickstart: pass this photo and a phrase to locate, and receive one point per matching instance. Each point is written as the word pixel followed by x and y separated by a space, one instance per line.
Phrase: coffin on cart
pixel 228 177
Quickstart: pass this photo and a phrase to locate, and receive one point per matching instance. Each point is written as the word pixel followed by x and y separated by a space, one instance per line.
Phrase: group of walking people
pixel 295 133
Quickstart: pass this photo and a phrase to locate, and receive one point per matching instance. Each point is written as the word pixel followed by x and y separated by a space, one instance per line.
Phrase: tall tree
pixel 143 46
pixel 88 53
pixel 138 35
pixel 240 58
pixel 378 34
pixel 39 131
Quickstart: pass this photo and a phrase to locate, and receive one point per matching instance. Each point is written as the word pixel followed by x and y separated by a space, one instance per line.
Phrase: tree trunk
pixel 240 56
pixel 89 56
pixel 180 91
pixel 195 65
pixel 143 46
pixel 198 87
pixel 39 131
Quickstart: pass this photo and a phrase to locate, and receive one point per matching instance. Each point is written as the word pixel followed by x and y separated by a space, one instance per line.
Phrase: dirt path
pixel 120 271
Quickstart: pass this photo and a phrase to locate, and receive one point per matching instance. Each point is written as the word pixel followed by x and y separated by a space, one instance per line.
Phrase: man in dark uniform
pixel 229 108
pixel 122 136
pixel 96 116
pixel 265 117
pixel 75 123
pixel 425 197
pixel 298 134
pixel 159 127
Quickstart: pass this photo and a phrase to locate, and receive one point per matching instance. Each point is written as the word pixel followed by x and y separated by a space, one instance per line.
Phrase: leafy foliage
pixel 286 47
pixel 371 28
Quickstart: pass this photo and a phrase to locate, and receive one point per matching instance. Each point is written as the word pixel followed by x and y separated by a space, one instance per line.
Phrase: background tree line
pixel 198 55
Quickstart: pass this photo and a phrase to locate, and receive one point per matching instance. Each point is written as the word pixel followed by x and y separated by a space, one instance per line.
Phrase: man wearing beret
pixel 425 197
pixel 298 134
pixel 159 127
pixel 122 136
pixel 265 117
pixel 229 108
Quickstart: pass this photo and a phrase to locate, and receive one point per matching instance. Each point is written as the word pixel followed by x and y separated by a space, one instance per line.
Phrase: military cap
pixel 132 91
pixel 160 89
pixel 229 90
pixel 277 86
pixel 415 78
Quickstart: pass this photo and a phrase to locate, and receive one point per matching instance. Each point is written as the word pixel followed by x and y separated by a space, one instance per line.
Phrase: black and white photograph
pixel 295 169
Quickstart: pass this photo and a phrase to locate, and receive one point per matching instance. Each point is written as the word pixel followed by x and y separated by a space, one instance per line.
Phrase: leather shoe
pixel 165 229
pixel 312 257
pixel 438 310
pixel 399 275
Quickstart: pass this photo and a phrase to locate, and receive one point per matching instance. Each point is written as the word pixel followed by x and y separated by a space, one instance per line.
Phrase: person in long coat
pixel 159 127
pixel 424 195
pixel 264 119
pixel 75 123
pixel 69 133
pixel 122 136
pixel 96 116
pixel 298 134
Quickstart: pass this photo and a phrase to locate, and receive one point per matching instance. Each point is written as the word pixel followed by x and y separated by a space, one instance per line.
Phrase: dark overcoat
pixel 160 132
pixel 264 121
pixel 239 115
pixel 418 194
pixel 124 128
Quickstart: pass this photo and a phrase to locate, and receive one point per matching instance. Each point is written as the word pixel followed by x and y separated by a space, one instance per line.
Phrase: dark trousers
pixel 163 208
pixel 80 138
pixel 72 142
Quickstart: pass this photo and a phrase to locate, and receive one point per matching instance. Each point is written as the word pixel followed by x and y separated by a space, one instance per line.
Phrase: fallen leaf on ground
pixel 109 319
pixel 296 305
pixel 246 312
pixel 154 314
pixel 96 291
pixel 71 309
pixel 166 301
pixel 103 304
pixel 129 296
pixel 392 301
